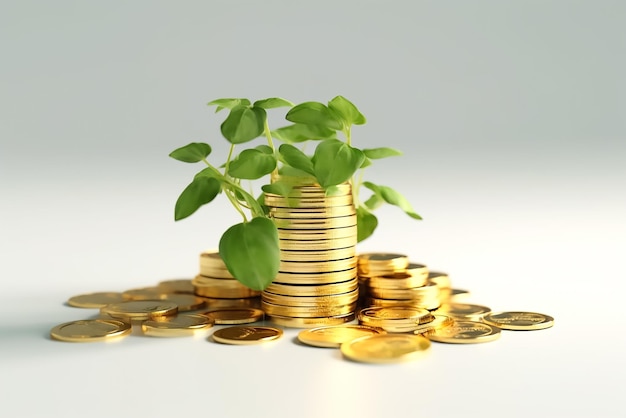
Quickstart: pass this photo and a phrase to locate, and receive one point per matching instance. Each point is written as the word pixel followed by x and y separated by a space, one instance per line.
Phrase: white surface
pixel 511 118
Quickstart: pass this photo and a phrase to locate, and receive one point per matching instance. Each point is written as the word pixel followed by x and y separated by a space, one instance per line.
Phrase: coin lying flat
pixel 140 309
pixel 439 321
pixel 334 336
pixel 519 321
pixel 95 300
pixel 246 335
pixel 465 332
pixel 464 311
pixel 176 286
pixel 233 316
pixel 176 326
pixel 90 330
pixel 386 348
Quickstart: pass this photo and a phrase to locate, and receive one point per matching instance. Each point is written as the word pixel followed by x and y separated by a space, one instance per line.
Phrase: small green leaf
pixel 278 187
pixel 366 163
pixel 366 223
pixel 296 158
pixel 243 124
pixel 299 132
pixel 374 202
pixel 252 164
pixel 335 161
pixel 334 191
pixel 348 111
pixel 200 191
pixel 261 201
pixel 272 103
pixel 251 253
pixel 191 153
pixel 392 197
pixel 383 152
pixel 228 103
pixel 264 149
pixel 208 172
pixel 287 170
pixel 314 113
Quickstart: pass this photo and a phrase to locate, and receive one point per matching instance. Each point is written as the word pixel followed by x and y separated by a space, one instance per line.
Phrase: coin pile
pixel 317 281
pixel 391 280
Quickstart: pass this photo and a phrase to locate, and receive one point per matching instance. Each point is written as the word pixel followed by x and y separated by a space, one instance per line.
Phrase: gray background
pixel 510 115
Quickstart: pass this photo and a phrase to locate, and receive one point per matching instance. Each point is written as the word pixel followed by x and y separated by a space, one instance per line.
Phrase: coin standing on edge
pixel 246 335
pixel 386 348
pixel 176 326
pixel 465 332
pixel 90 330
pixel 519 320
pixel 95 300
pixel 334 336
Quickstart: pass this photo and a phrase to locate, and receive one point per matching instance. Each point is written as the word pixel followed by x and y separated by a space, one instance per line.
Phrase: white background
pixel 511 119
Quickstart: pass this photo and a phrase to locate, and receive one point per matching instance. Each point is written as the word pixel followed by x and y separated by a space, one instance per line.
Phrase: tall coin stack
pixel 391 280
pixel 317 282
pixel 218 287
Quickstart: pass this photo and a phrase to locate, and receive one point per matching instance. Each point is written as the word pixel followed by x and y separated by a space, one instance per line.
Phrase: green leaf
pixel 314 113
pixel 383 152
pixel 296 158
pixel 191 153
pixel 392 197
pixel 261 201
pixel 264 149
pixel 228 103
pixel 287 170
pixel 251 253
pixel 278 187
pixel 299 132
pixel 335 161
pixel 348 111
pixel 200 191
pixel 207 172
pixel 374 202
pixel 272 103
pixel 243 124
pixel 366 163
pixel 252 164
pixel 334 191
pixel 366 223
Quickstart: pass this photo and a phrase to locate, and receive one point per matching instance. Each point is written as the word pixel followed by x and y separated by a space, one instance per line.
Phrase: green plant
pixel 250 248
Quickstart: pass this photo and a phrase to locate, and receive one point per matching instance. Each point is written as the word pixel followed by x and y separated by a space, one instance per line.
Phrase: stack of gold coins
pixel 317 283
pixel 218 287
pixel 391 280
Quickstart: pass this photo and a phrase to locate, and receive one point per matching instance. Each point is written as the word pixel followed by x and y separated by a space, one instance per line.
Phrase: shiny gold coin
pixel 215 272
pixel 317 234
pixel 317 255
pixel 144 293
pixel 297 322
pixel 334 336
pixel 304 202
pixel 439 321
pixel 312 290
pixel 177 326
pixel 428 304
pixel 315 223
pixel 519 321
pixel 440 279
pixel 317 266
pixel 312 213
pixel 140 309
pixel 397 314
pixel 299 190
pixel 246 335
pixel 212 258
pixel 231 316
pixel 465 332
pixel 176 286
pixel 317 244
pixel 384 260
pixel 463 311
pixel 184 302
pixel 385 348
pixel 397 281
pixel 422 292
pixel 307 311
pixel 90 330
pixel 95 300
pixel 215 303
pixel 222 288
pixel 418 270
pixel 315 278
pixel 311 301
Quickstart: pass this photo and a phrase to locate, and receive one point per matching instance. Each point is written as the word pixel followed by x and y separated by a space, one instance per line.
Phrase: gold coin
pixel 176 286
pixel 463 311
pixel 215 272
pixel 386 348
pixel 440 279
pixel 304 202
pixel 439 321
pixel 95 300
pixel 215 303
pixel 184 301
pixel 397 281
pixel 143 293
pixel 315 278
pixel 465 332
pixel 428 304
pixel 317 244
pixel 423 292
pixel 317 255
pixel 222 288
pixel 233 316
pixel 334 336
pixel 397 314
pixel 311 301
pixel 312 213
pixel 140 309
pixel 315 223
pixel 317 266
pixel 317 234
pixel 307 311
pixel 519 321
pixel 90 330
pixel 177 325
pixel 298 322
pixel 312 290
pixel 246 335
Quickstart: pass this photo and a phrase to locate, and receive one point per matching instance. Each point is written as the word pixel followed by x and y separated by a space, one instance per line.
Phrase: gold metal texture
pixel 397 281
pixel 176 286
pixel 312 290
pixel 464 311
pixel 232 316
pixel 299 322
pixel 140 309
pixel 315 278
pixel 334 336
pixel 519 320
pixel 312 213
pixel 311 301
pixel 317 244
pixel 317 234
pixel 315 223
pixel 244 335
pixel 177 326
pixel 386 348
pixel 317 266
pixel 317 255
pixel 95 300
pixel 90 330
pixel 307 311
pixel 465 332
pixel 308 202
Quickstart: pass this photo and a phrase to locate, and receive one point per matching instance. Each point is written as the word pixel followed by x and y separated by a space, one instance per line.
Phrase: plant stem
pixel 268 134
pixel 235 203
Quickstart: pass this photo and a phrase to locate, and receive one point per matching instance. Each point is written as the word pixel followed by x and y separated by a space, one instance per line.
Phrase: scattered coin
pixel 90 330
pixel 95 300
pixel 386 348
pixel 246 335
pixel 231 316
pixel 519 321
pixel 140 309
pixel 465 332
pixel 464 311
pixel 176 286
pixel 177 325
pixel 334 336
